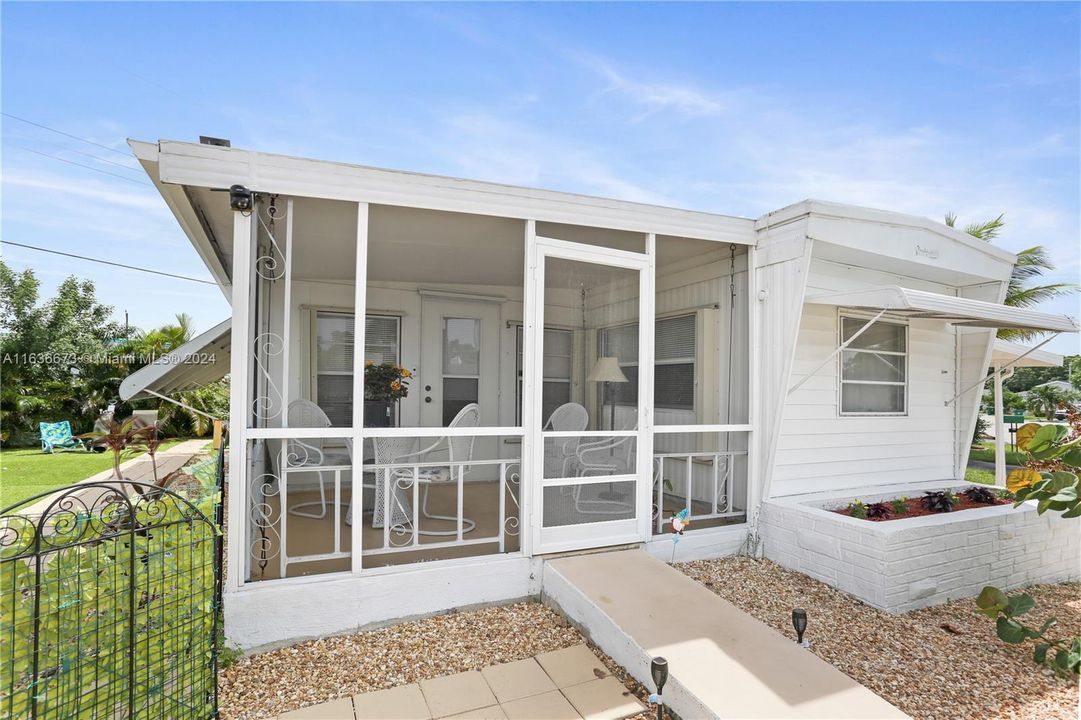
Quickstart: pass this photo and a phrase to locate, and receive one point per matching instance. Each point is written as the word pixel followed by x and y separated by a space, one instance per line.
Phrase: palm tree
pixel 1031 264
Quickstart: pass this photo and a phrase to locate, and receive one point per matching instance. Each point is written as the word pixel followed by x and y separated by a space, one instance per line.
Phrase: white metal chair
pixel 559 454
pixel 310 453
pixel 458 449
pixel 608 456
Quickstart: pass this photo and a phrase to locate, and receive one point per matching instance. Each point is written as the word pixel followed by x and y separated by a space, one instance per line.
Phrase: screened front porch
pixel 502 397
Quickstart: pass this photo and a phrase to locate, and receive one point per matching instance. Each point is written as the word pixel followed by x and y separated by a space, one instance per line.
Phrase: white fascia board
pixel 219 167
pixel 886 217
pixel 147 154
pixel 961 311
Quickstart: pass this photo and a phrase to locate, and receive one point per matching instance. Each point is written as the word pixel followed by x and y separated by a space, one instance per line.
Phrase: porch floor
pixel 312 536
pixel 722 661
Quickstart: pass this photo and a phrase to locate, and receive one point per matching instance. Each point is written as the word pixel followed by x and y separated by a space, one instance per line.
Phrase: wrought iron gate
pixel 109 603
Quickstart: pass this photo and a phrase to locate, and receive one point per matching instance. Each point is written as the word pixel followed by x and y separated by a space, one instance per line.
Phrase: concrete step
pixel 723 663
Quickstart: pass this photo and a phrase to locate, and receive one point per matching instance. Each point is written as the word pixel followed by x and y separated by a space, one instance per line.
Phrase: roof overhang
pixel 955 310
pixel 200 361
pixel 1010 353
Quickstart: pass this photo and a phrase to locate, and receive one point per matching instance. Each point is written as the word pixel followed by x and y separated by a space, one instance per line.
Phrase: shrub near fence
pixel 108 605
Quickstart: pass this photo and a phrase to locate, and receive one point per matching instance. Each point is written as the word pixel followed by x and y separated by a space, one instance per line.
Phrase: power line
pixel 132 168
pixel 61 132
pixel 108 262
pixel 88 167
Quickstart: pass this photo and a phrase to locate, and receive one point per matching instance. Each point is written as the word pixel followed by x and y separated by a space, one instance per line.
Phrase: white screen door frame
pixel 604 533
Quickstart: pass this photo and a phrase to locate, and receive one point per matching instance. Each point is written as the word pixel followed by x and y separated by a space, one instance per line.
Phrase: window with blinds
pixel 558 346
pixel 674 362
pixel 333 390
pixel 874 368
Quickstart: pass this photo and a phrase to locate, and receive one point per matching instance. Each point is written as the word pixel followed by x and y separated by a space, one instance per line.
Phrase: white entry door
pixel 459 361
pixel 592 486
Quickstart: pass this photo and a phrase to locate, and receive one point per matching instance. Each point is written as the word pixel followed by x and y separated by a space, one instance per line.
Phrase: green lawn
pixel 979 475
pixel 987 454
pixel 25 472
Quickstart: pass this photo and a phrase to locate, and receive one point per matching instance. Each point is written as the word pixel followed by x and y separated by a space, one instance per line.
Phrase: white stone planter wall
pixel 901 565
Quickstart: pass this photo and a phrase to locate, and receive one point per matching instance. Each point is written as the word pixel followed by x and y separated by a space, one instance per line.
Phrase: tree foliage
pixel 56 355
pixel 1023 289
pixel 64 358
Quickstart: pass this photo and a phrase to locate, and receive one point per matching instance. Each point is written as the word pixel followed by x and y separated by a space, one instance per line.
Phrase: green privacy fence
pixel 109 603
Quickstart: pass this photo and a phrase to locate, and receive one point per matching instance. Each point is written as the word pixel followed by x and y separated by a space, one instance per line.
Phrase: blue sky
pixel 737 108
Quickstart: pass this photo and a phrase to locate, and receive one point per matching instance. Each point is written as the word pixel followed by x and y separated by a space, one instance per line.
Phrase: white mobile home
pixel 541 372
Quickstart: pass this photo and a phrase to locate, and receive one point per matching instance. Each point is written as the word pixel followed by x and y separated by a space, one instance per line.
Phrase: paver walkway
pixel 567 684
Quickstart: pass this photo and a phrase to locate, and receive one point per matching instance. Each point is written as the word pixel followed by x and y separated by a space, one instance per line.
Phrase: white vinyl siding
pixel 874 367
pixel 820 449
pixel 333 349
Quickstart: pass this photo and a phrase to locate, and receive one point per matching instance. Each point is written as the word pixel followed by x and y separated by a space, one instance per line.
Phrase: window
pixel 333 391
pixel 556 372
pixel 874 368
pixel 674 358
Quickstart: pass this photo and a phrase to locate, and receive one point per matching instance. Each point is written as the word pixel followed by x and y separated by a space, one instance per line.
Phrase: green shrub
pixel 1063 655
pixel 857 509
pixel 85 611
pixel 899 505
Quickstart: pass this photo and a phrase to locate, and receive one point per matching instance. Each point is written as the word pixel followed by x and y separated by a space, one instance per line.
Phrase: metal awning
pixel 958 311
pixel 199 361
pixel 1011 353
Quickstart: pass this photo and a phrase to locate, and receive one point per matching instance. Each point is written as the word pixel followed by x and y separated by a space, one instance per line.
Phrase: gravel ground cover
pixel 266 684
pixel 938 663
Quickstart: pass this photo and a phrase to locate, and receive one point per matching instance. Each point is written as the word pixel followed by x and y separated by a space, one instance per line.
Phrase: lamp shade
pixel 606 369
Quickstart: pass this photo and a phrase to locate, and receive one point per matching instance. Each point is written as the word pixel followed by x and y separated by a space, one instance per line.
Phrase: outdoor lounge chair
pixel 560 454
pixel 57 436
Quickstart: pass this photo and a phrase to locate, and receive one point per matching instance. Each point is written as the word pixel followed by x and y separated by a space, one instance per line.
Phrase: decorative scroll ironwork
pixel 265 346
pixel 512 523
pixel 271 264
pixel 263 518
pixel 110 603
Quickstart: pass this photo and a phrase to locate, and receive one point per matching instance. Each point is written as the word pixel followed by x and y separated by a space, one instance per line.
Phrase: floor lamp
pixel 606 370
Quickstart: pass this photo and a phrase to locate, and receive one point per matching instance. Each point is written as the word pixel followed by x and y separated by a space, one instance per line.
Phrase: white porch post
pixel 360 300
pixel 239 407
pixel 1000 432
pixel 531 464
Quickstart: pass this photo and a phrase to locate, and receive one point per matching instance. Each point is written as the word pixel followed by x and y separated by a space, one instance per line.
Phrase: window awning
pixel 958 311
pixel 1010 353
pixel 199 361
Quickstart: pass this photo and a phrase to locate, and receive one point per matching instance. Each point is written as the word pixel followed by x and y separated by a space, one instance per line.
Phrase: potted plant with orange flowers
pixel 384 385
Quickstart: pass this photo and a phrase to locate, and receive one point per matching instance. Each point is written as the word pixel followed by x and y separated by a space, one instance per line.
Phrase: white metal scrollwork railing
pixel 404 497
pixel 708 480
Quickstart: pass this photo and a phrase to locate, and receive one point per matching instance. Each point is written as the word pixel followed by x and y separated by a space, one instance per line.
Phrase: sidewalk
pixel 567 684
pixel 139 469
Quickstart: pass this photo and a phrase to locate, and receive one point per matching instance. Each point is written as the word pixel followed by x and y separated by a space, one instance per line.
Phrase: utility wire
pixel 88 167
pixel 61 132
pixel 108 262
pixel 132 168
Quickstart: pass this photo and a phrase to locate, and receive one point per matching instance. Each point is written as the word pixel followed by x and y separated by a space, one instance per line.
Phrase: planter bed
pixel 918 561
pixel 914 507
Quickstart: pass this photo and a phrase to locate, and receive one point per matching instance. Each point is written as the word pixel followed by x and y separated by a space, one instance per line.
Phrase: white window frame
pixel 841 382
pixel 313 345
pixel 519 369
pixel 691 359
